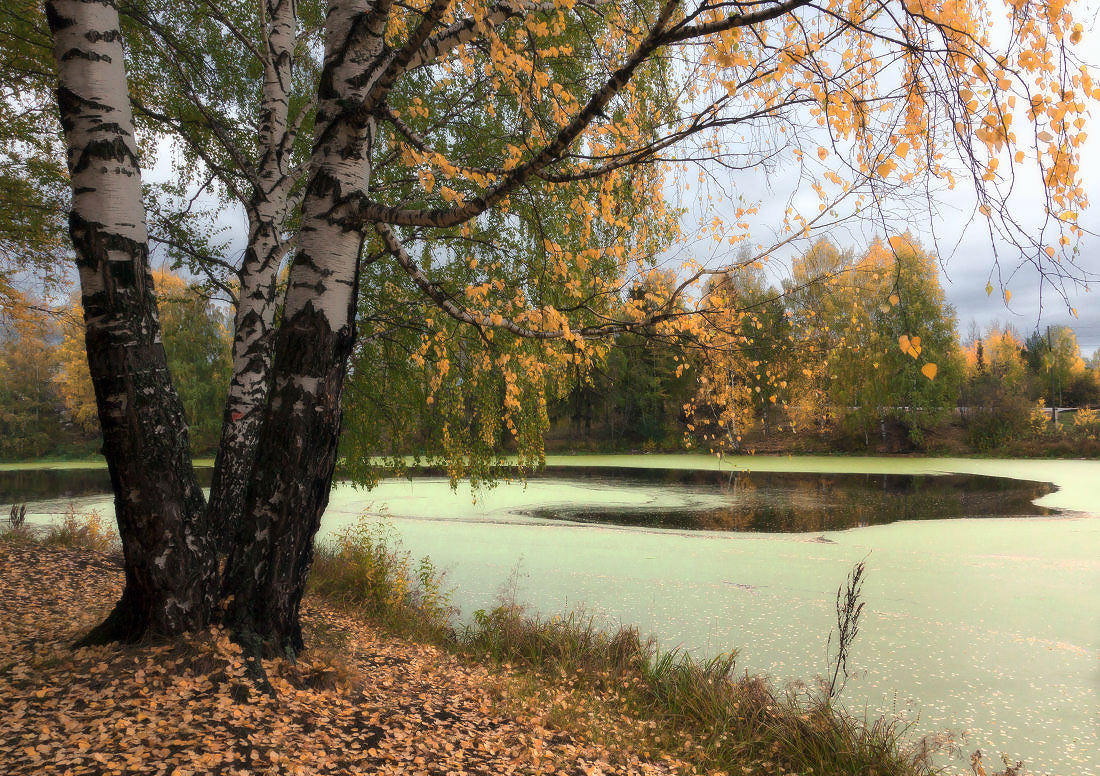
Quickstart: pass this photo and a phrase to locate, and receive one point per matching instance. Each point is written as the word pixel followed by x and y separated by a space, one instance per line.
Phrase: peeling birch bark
pixel 170 568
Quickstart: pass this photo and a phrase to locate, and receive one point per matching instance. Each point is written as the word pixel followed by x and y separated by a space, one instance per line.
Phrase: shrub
pixel 856 430
pixel 1038 420
pixel 993 426
pixel 742 722
pixel 1087 421
pixel 364 568
pixel 89 531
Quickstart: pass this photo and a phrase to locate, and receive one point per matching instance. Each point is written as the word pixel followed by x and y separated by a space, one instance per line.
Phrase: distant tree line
pixel 851 351
pixel 814 362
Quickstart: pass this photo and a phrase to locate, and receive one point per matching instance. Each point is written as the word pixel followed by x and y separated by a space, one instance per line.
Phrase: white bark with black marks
pixel 258 298
pixel 169 563
pixel 290 483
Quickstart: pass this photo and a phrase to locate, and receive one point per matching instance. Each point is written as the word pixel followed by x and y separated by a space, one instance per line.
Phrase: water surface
pixel 982 608
pixel 788 502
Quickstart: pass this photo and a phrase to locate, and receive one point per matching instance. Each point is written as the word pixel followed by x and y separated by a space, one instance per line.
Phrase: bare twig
pixel 849 609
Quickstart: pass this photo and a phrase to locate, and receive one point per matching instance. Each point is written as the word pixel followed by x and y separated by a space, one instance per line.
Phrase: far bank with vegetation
pixel 815 367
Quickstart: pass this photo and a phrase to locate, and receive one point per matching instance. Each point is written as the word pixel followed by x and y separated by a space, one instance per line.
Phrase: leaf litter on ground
pixel 358 701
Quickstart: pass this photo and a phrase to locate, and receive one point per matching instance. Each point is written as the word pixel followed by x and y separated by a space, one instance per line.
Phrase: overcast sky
pixel 969 257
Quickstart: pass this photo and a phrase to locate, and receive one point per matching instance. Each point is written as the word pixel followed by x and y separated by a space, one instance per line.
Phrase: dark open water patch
pixel 795 502
pixel 25 485
pixel 752 501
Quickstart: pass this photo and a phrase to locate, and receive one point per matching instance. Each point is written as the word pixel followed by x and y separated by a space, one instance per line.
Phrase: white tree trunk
pixel 289 487
pixel 257 299
pixel 170 569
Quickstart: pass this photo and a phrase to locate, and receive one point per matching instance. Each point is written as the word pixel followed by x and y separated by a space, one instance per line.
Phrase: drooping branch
pixel 495 321
pixel 203 259
pixel 464 31
pixel 443 300
pixel 176 50
pixel 228 177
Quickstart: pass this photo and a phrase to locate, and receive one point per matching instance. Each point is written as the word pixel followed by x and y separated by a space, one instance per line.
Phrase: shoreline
pixel 1073 478
pixel 379 701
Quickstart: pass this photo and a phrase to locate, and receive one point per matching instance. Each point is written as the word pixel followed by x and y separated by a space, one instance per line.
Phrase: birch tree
pixel 863 101
pixel 170 561
pixel 195 338
pixel 268 209
pixel 235 129
pixel 224 89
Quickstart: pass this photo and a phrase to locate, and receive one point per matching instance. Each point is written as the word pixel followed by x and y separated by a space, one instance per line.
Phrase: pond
pixel 981 605
pixel 686 499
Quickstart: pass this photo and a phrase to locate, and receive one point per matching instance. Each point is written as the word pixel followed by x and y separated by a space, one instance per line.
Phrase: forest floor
pixel 359 701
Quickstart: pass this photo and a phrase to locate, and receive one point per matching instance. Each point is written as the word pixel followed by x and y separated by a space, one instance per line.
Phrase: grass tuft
pixel 569 645
pixel 80 531
pixel 363 568
pixel 89 531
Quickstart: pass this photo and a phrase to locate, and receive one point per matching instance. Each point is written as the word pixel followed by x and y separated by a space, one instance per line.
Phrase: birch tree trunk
pixel 289 488
pixel 257 300
pixel 171 570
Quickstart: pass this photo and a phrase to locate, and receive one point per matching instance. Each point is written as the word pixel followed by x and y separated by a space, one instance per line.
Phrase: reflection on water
pixel 796 502
pixel 712 501
pixel 25 485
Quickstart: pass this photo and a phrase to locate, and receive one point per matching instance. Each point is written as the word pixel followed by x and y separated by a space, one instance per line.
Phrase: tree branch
pixel 397 63
pixel 446 217
pixel 681 33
